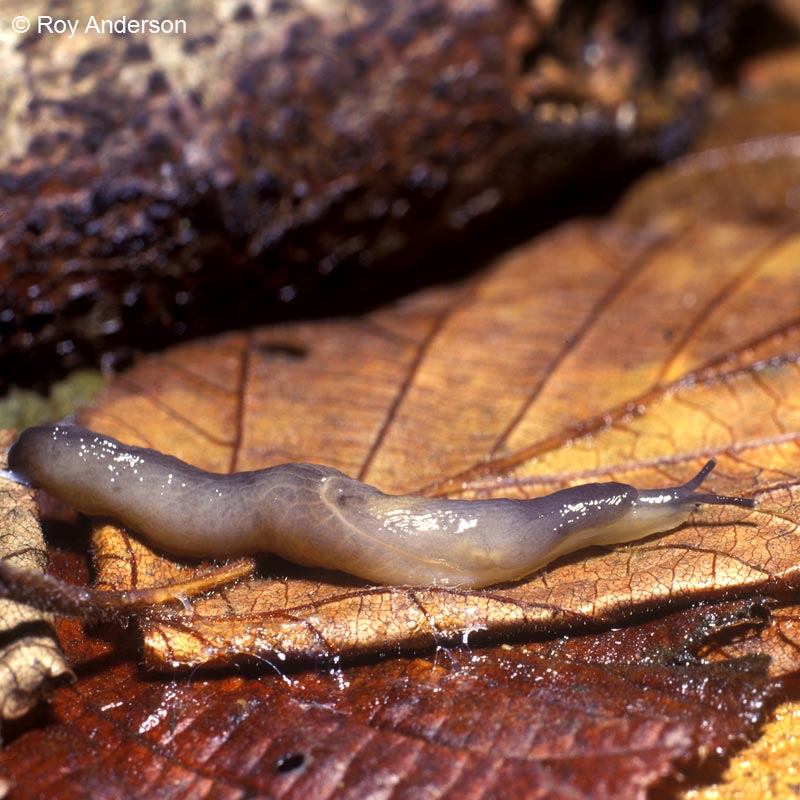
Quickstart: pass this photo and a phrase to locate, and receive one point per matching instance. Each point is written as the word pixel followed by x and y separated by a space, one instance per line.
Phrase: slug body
pixel 319 517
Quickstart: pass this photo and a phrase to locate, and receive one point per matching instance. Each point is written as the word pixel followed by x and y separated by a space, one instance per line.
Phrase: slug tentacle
pixel 703 498
pixel 317 516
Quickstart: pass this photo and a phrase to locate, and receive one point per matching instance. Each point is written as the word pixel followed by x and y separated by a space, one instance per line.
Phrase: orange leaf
pixel 519 382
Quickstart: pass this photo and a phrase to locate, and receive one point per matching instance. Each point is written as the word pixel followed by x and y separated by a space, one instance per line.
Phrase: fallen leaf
pixel 660 411
pixel 596 717
pixel 31 660
pixel 767 769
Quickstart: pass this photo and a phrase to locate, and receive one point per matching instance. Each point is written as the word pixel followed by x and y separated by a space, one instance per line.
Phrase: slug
pixel 319 517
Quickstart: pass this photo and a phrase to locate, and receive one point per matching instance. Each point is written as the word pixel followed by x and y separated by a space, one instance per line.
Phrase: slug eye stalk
pixel 704 498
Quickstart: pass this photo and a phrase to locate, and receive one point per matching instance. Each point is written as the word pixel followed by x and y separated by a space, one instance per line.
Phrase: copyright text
pixel 44 24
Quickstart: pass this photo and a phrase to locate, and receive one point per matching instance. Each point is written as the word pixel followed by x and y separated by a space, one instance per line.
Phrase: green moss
pixel 21 408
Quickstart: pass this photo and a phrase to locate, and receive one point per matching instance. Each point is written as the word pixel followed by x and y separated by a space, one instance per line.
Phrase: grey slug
pixel 319 517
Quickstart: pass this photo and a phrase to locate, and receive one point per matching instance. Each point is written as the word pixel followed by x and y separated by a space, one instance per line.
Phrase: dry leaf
pixel 547 720
pixel 30 657
pixel 658 408
pixel 767 769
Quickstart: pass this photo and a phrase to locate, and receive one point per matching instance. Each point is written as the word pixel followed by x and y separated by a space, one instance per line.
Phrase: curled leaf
pixel 30 656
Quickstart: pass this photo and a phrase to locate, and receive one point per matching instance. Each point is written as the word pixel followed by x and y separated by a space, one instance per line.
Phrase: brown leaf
pixel 30 657
pixel 779 637
pixel 606 716
pixel 661 405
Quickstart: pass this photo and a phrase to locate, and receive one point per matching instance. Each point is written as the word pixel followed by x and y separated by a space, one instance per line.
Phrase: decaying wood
pixel 159 185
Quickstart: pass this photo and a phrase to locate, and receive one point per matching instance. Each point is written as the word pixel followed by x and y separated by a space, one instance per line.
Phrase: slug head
pixel 686 494
pixel 685 497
